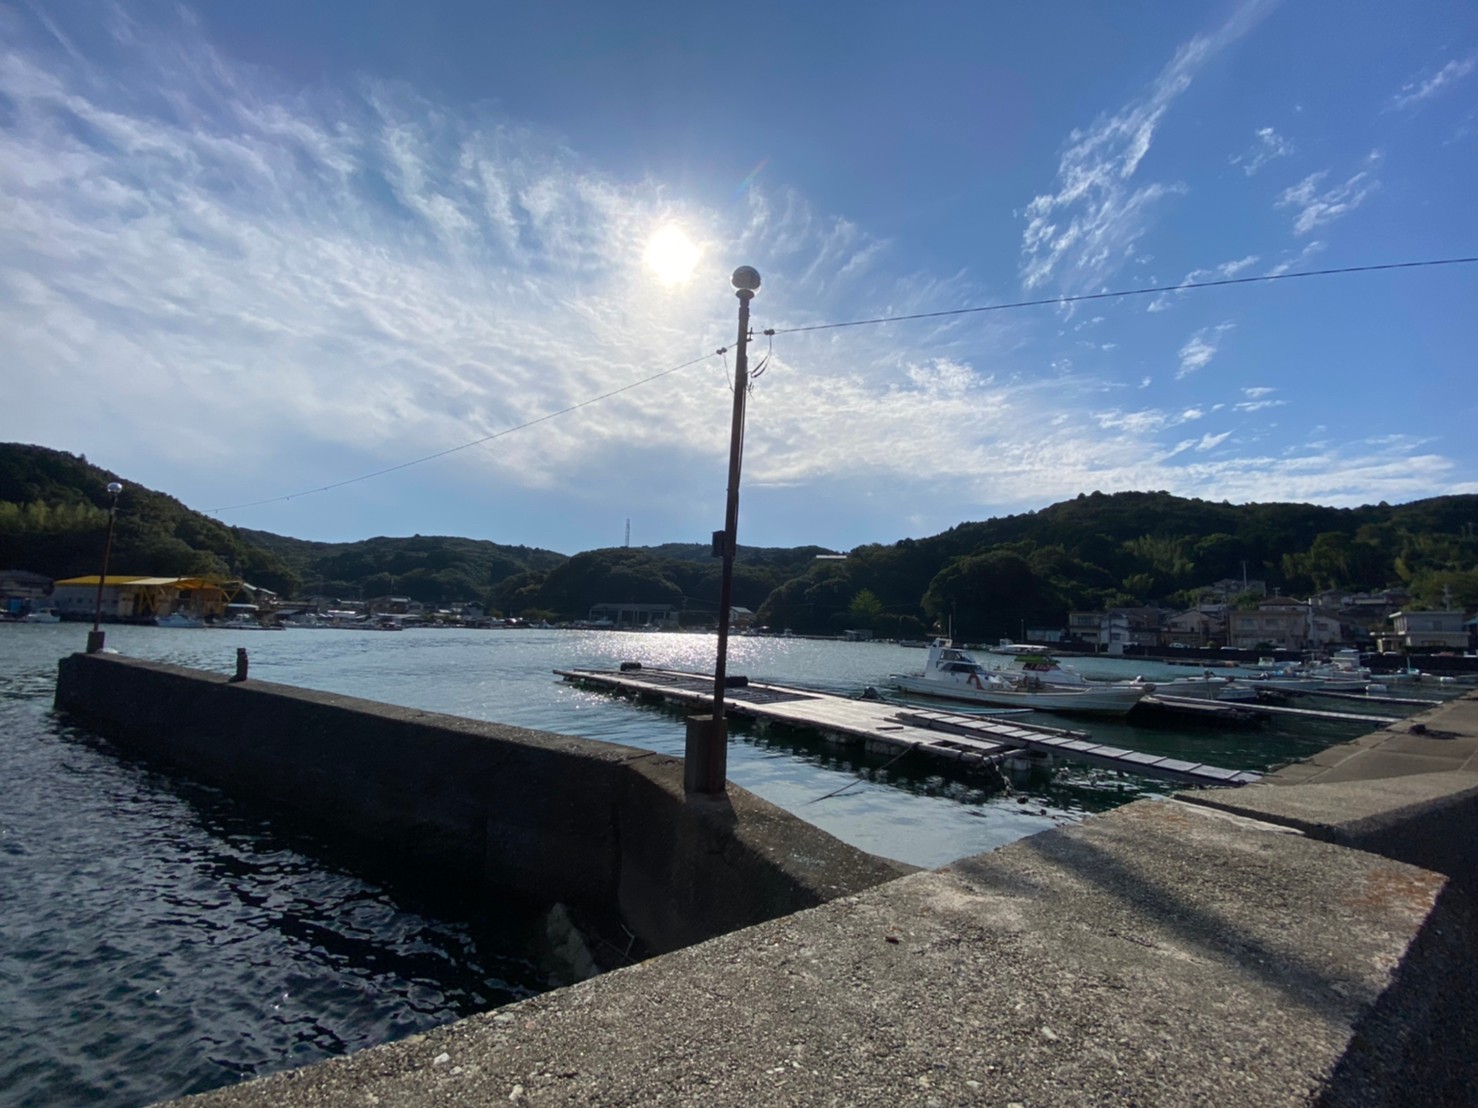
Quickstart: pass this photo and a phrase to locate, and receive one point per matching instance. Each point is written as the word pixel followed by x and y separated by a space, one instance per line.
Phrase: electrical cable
pixel 467 445
pixel 1127 292
pixel 773 331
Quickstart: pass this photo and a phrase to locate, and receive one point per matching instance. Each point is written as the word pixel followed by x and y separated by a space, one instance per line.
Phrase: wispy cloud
pixel 1200 348
pixel 1258 398
pixel 1269 145
pixel 1225 271
pixel 1315 205
pixel 1087 226
pixel 1434 84
pixel 277 288
pixel 1298 261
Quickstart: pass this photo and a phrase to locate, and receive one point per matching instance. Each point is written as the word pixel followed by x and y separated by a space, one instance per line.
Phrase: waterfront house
pixel 1198 626
pixel 21 591
pixel 1117 628
pixel 634 615
pixel 1417 630
pixel 1281 623
pixel 140 599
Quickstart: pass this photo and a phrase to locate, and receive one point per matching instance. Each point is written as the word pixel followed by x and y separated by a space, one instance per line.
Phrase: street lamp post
pixel 95 636
pixel 707 749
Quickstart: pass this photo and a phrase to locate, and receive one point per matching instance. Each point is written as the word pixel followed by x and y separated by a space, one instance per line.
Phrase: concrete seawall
pixel 1284 944
pixel 601 827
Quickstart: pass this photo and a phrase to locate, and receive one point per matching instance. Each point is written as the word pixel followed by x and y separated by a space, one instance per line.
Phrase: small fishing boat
pixel 1205 687
pixel 42 615
pixel 954 674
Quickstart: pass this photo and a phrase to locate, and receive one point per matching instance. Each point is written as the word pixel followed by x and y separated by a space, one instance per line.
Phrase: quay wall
pixel 1305 941
pixel 1223 947
pixel 483 806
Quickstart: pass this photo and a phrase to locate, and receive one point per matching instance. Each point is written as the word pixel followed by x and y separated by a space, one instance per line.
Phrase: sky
pixel 344 269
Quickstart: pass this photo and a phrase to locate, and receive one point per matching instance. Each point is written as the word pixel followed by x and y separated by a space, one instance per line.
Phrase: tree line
pixel 988 579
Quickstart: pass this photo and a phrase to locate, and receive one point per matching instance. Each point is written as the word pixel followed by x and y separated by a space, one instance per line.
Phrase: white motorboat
pixel 954 674
pixel 1017 661
pixel 1205 687
pixel 42 615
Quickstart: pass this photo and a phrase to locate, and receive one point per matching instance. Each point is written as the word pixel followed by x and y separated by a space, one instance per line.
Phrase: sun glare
pixel 671 255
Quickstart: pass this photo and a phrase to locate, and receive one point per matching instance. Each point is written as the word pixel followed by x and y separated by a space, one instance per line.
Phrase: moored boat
pixel 179 619
pixel 954 674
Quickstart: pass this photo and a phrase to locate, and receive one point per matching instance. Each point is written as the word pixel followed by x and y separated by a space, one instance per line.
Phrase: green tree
pixel 865 611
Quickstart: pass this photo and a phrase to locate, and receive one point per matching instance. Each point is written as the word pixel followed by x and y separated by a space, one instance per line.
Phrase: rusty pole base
pixel 707 755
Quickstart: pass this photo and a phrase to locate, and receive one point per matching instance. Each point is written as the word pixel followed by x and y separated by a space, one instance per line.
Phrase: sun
pixel 671 255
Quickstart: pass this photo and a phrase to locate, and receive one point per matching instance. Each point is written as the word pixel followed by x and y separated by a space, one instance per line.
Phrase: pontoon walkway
pixel 890 727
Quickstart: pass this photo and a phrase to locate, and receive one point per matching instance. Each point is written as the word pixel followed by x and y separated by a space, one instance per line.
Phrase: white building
pixel 1418 630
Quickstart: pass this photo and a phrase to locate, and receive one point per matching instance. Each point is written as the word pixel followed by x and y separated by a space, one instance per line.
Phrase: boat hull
pixel 1068 701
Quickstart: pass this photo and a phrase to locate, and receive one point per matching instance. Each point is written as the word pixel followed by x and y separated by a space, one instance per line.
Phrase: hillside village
pixel 1122 572
pixel 1235 615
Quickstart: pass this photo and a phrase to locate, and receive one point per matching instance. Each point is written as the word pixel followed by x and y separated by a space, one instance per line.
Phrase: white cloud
pixel 1310 250
pixel 1088 226
pixel 1315 208
pixel 296 288
pixel 1200 348
pixel 1415 91
pixel 1210 441
pixel 1224 272
pixel 1269 145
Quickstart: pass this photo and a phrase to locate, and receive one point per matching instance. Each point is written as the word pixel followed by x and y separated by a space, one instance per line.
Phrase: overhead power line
pixel 1186 285
pixel 465 445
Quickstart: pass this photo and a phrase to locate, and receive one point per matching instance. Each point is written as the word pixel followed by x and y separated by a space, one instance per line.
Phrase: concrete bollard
pixel 240 664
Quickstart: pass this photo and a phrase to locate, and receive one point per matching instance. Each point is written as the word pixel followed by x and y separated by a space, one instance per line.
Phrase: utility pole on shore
pixel 96 635
pixel 707 745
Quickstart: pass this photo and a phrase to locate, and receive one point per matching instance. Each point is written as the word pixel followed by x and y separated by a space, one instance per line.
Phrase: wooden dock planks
pixel 885 726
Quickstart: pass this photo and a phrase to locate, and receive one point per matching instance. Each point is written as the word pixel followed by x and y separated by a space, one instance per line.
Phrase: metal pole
pixel 95 636
pixel 707 766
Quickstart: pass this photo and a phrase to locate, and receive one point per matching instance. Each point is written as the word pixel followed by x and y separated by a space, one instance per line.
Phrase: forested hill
pixel 990 578
pixel 997 577
pixel 53 513
pixel 435 569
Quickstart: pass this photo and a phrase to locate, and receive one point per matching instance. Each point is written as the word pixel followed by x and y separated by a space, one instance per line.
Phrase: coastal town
pixel 1237 616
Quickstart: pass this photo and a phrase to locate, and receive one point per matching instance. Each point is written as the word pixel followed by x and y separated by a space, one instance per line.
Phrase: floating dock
pixel 887 727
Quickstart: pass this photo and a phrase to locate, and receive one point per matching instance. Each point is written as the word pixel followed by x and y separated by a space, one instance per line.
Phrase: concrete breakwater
pixel 481 806
pixel 1278 944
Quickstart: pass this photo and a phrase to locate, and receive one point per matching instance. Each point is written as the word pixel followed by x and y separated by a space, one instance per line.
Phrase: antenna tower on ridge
pixel 628 530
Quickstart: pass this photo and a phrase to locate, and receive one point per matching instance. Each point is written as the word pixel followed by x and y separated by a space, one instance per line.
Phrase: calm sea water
pixel 158 938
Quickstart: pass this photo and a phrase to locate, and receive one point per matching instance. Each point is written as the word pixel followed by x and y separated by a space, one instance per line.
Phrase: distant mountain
pixel 434 569
pixel 991 577
pixel 53 514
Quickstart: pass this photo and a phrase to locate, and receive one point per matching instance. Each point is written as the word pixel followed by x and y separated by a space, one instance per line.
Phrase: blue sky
pixel 250 250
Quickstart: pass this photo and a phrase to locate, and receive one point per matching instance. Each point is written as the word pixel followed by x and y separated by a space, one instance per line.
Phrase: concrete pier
pixel 477 806
pixel 1278 944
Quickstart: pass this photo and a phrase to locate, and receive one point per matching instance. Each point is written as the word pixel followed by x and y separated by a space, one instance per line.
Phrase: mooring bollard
pixel 240 664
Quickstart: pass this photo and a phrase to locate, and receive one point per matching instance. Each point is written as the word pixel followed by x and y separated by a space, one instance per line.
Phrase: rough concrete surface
pixel 1161 954
pixel 1438 740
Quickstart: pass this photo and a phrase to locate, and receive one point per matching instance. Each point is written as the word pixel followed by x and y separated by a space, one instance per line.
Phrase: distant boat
pixel 42 615
pixel 953 674
pixel 179 619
